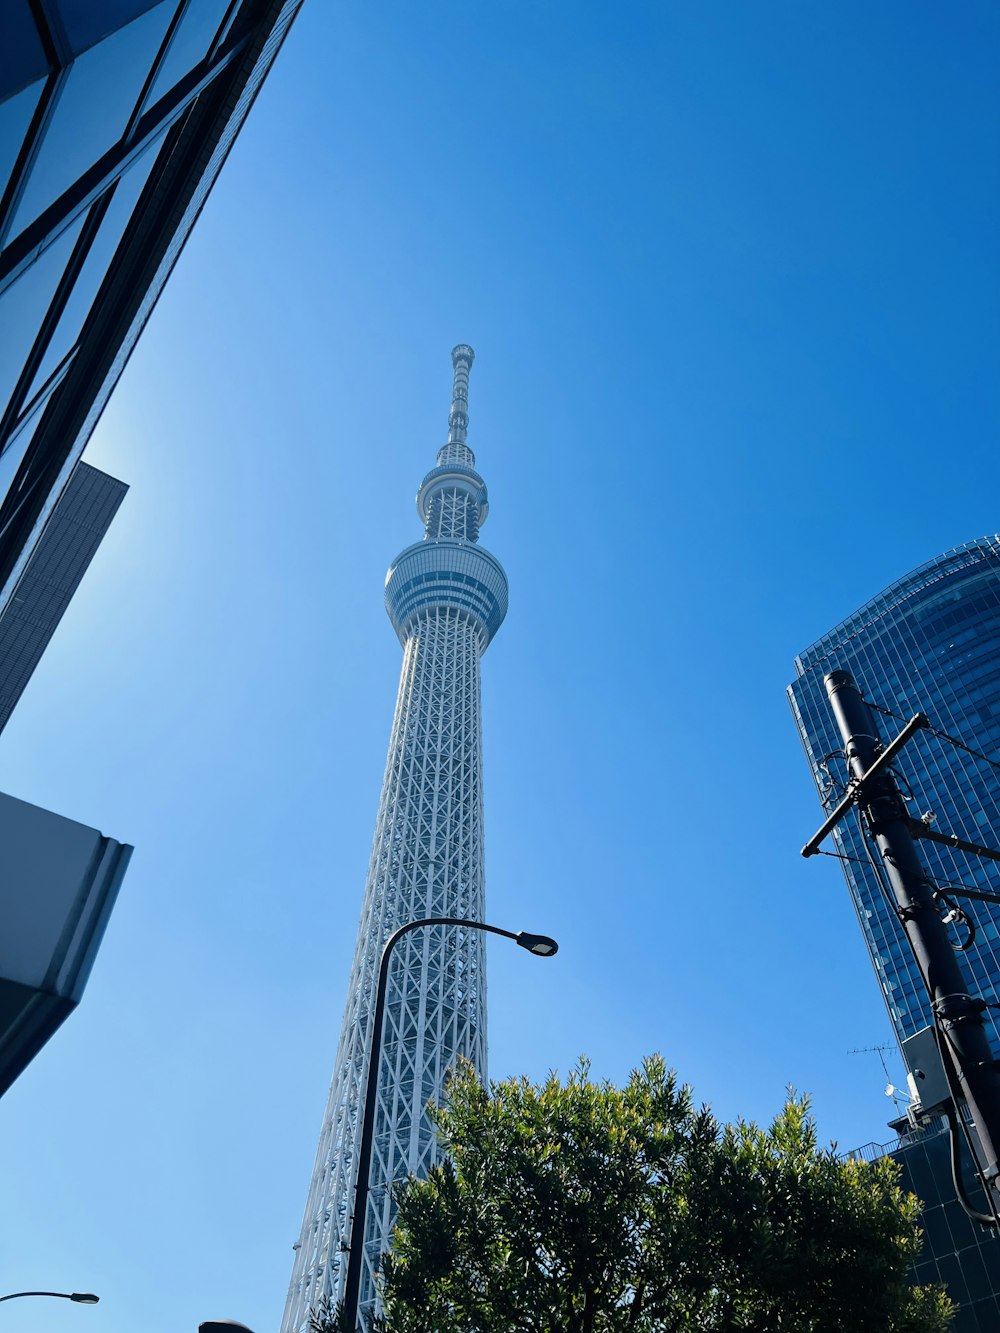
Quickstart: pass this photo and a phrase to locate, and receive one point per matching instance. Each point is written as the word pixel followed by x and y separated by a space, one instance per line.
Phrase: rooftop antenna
pixel 900 1099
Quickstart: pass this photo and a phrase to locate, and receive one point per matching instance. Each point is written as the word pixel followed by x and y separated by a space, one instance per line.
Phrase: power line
pixel 936 731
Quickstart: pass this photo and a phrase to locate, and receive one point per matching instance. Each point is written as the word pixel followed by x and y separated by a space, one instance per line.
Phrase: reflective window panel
pixel 93 107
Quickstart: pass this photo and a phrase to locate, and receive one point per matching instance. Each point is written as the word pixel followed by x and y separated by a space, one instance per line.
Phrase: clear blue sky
pixel 731 274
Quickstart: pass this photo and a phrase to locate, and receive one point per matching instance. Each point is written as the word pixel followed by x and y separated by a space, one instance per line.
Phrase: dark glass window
pixel 189 45
pixel 22 57
pixel 15 117
pixel 17 447
pixel 93 108
pixel 95 266
pixel 23 307
pixel 227 27
pixel 86 21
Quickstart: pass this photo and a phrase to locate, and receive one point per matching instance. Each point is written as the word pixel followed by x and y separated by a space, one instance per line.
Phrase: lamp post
pixel 540 945
pixel 81 1297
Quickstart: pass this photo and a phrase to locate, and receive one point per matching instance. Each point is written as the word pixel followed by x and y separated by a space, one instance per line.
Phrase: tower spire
pixel 452 500
pixel 462 358
pixel 446 598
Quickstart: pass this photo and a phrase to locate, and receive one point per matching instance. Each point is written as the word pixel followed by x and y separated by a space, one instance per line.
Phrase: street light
pixel 542 946
pixel 81 1297
pixel 223 1326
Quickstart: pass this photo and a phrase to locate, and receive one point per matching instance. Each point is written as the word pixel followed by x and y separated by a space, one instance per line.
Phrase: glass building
pixel 115 119
pixel 58 561
pixel 958 1252
pixel 929 643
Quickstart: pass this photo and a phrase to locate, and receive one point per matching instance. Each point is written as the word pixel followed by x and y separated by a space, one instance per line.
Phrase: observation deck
pixel 454 575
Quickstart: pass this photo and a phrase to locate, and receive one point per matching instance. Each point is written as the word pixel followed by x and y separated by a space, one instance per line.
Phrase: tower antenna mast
pixel 446 598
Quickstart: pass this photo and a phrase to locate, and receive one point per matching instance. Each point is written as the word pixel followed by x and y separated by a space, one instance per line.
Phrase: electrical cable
pixel 836 789
pixel 960 1192
pixel 886 712
pixel 991 1219
pixel 901 781
pixel 957 887
pixel 961 745
pixel 841 856
pixel 877 870
pixel 936 731
pixel 908 795
pixel 956 915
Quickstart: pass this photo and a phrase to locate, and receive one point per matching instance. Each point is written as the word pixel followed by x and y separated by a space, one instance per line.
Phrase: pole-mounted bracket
pixel 916 723
pixel 918 829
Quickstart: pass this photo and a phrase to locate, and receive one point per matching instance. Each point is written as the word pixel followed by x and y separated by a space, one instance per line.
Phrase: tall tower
pixel 446 598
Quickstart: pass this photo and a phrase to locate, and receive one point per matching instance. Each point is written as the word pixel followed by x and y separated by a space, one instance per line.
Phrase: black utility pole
pixel 965 1046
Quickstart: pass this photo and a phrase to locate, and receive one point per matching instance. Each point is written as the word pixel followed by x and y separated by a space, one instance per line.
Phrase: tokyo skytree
pixel 446 598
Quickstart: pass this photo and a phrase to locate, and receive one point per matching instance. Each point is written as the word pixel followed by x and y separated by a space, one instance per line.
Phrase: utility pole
pixel 966 1050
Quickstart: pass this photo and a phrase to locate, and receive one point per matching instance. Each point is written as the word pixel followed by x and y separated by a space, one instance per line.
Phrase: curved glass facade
pixel 929 643
pixel 115 119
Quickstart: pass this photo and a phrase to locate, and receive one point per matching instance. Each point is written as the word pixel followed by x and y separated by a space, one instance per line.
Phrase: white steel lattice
pixel 427 860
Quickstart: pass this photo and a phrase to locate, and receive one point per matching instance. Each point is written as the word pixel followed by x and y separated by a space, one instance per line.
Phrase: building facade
pixel 59 884
pixel 115 119
pixel 958 1252
pixel 446 597
pixel 929 643
pixel 52 574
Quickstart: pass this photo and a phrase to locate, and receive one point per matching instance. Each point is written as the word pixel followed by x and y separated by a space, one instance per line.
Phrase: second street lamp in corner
pixel 80 1297
pixel 542 946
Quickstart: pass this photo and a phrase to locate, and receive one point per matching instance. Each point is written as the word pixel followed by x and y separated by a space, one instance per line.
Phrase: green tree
pixel 586 1208
pixel 327 1317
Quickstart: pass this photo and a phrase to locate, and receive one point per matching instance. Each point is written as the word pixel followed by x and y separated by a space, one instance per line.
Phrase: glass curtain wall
pixel 112 113
pixel 929 643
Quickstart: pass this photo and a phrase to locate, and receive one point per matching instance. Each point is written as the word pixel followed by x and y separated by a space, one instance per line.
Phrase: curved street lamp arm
pixel 397 935
pixel 352 1287
pixel 81 1297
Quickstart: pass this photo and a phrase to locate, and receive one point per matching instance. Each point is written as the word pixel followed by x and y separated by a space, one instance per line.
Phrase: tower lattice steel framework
pixel 446 598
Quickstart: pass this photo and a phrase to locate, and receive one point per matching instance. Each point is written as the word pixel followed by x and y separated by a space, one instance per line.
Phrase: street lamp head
pixel 542 945
pixel 84 1297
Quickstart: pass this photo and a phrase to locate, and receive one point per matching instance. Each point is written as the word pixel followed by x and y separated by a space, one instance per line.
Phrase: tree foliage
pixel 586 1208
pixel 327 1317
